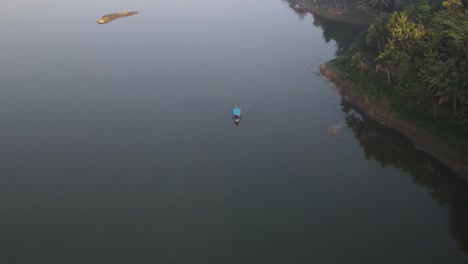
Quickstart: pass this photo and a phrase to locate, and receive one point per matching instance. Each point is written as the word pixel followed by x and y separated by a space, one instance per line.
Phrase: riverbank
pixel 379 111
pixel 336 14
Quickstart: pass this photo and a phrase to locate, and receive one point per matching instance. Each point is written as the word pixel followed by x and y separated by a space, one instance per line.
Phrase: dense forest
pixel 419 47
pixel 423 49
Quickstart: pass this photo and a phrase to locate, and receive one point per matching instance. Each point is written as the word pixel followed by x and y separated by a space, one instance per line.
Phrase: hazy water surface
pixel 116 145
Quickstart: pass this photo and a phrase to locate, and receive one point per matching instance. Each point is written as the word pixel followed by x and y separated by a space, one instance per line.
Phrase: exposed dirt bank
pixel 421 138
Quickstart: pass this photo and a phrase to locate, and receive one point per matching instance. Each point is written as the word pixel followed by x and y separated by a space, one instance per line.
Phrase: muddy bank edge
pixel 422 139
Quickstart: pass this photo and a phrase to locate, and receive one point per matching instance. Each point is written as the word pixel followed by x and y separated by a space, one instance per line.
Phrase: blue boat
pixel 236 112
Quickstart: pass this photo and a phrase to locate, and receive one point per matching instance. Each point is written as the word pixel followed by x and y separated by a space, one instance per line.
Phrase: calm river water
pixel 117 146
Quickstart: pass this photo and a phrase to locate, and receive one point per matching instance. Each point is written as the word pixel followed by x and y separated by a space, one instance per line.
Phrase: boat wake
pixel 217 96
pixel 240 91
pixel 256 93
pixel 243 94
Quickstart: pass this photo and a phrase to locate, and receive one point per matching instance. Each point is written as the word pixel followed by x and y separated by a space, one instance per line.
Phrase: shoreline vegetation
pixel 407 69
pixel 336 14
pixel 379 111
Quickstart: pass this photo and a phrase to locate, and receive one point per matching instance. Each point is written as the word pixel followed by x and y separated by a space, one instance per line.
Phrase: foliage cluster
pixel 422 51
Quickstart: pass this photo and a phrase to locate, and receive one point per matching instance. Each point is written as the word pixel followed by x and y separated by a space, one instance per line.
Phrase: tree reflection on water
pixel 342 33
pixel 389 148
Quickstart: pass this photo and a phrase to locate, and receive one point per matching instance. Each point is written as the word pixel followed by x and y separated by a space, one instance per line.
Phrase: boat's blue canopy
pixel 236 111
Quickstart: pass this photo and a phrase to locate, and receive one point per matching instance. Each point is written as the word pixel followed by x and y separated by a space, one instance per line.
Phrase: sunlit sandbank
pixel 110 17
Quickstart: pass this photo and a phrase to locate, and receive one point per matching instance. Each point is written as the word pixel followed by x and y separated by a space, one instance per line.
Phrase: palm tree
pixel 358 61
pixel 363 6
pixel 381 66
pixel 375 34
pixel 448 83
pixel 388 59
pixel 382 3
